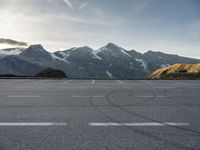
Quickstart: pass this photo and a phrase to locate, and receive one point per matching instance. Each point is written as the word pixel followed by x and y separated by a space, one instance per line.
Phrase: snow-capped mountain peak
pixel 113 48
pixel 113 45
pixel 110 46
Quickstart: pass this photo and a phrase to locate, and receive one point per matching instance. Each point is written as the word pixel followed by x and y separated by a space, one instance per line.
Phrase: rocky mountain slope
pixel 110 61
pixel 16 66
pixel 177 71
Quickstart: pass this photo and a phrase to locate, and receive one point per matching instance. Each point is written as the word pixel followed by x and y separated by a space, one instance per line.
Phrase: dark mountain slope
pixel 16 66
pixel 36 54
pixel 156 60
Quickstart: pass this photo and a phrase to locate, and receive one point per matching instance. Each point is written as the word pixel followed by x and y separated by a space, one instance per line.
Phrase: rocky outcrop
pixel 51 73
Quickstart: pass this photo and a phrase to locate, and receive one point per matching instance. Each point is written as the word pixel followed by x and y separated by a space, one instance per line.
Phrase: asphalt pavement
pixel 99 115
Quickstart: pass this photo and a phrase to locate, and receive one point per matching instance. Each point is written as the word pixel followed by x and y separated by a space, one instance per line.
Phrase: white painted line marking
pixel 93 81
pixel 165 87
pixel 67 81
pixel 138 124
pixel 80 96
pixel 81 87
pixel 150 96
pixel 23 96
pixel 120 82
pixel 32 124
pixel 33 87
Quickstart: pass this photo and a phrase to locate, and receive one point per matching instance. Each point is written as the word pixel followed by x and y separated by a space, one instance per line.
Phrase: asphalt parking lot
pixel 99 114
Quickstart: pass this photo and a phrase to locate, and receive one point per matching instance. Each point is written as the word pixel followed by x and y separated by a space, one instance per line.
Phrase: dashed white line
pixel 146 124
pixel 33 87
pixel 164 87
pixel 67 81
pixel 23 96
pixel 37 82
pixel 93 81
pixel 32 124
pixel 151 96
pixel 81 96
pixel 120 82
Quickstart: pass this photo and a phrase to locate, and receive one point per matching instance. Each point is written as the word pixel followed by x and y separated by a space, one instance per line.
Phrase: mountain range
pixel 109 62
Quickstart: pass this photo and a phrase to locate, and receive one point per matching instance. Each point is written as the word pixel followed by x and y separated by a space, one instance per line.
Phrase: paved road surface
pixel 99 115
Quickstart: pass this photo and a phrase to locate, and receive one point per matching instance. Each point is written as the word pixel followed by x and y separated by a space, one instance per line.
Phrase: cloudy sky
pixel 171 26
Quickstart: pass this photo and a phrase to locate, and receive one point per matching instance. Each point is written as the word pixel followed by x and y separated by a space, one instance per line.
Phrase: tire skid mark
pixel 138 131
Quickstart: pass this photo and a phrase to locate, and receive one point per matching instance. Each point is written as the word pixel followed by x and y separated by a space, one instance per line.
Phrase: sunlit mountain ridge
pixel 177 71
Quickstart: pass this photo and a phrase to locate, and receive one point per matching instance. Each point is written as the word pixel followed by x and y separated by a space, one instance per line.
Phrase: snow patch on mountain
pixel 131 65
pixel 125 53
pixel 56 57
pixel 111 47
pixel 109 66
pixel 109 74
pixel 64 55
pixel 74 48
pixel 121 49
pixel 165 65
pixel 143 63
pixel 94 53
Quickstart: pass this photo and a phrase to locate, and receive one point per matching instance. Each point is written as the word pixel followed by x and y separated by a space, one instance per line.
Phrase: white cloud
pixel 68 4
pixel 83 5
